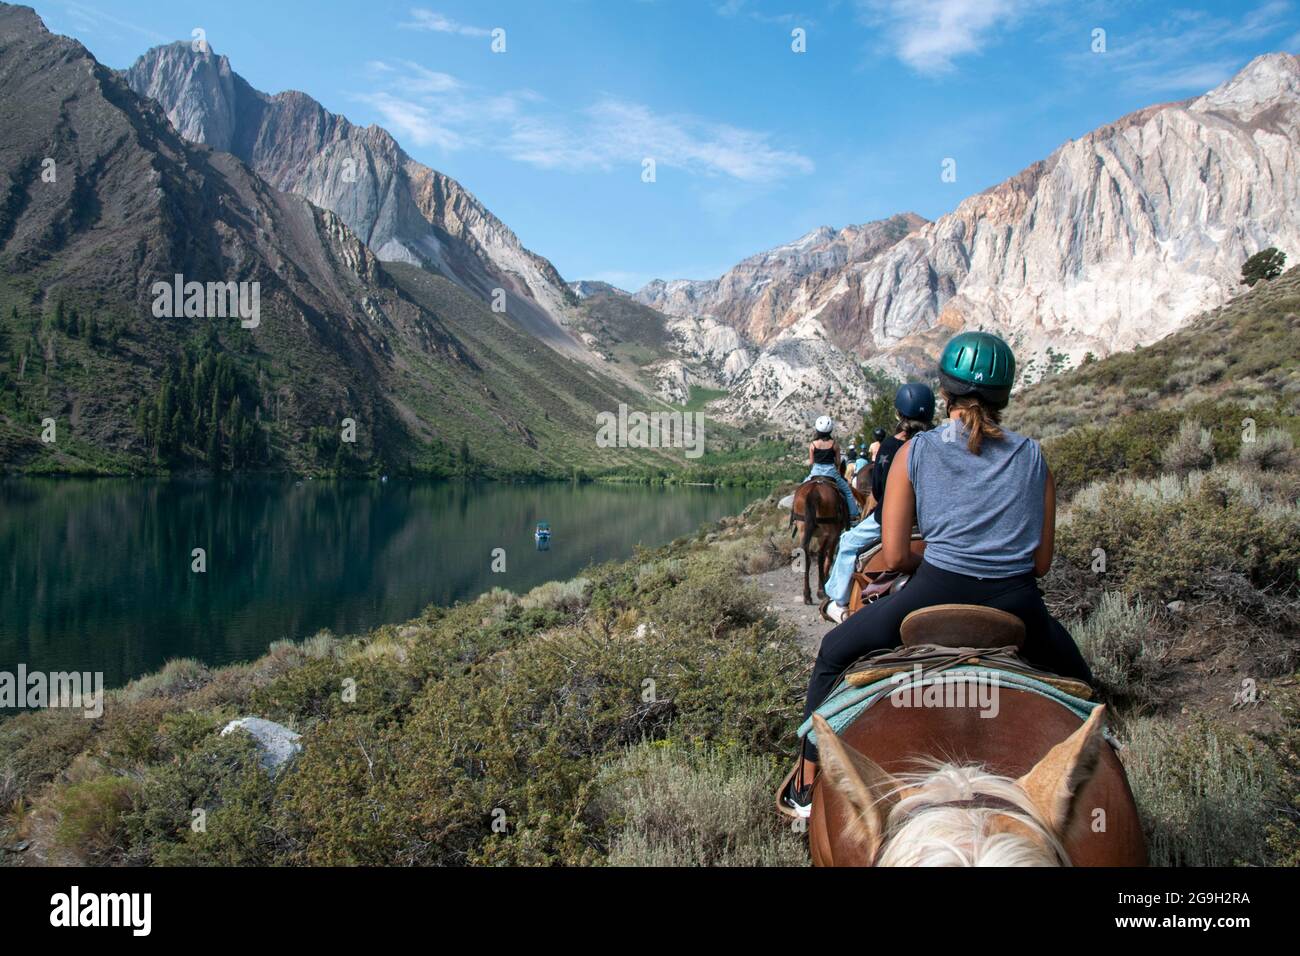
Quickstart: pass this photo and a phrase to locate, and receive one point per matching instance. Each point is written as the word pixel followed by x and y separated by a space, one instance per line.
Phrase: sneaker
pixel 797 800
pixel 834 612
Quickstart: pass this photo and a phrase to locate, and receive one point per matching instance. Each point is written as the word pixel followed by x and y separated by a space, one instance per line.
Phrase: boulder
pixel 276 742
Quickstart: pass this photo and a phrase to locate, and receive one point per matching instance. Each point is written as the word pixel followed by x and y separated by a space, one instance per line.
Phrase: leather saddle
pixel 963 625
pixel 873 580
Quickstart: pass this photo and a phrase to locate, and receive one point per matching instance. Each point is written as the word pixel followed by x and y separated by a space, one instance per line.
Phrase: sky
pixel 765 119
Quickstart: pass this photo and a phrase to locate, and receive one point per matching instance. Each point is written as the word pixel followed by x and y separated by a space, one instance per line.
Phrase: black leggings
pixel 1047 644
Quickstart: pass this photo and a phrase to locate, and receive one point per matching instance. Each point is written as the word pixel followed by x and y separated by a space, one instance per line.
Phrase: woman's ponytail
pixel 981 420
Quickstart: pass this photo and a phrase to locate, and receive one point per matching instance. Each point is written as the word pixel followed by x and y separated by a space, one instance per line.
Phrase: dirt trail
pixel 784 591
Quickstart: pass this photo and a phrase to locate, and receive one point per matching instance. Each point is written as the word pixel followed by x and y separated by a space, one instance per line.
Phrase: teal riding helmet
pixel 978 363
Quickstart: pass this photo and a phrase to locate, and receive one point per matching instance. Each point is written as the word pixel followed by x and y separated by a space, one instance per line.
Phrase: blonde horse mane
pixel 950 815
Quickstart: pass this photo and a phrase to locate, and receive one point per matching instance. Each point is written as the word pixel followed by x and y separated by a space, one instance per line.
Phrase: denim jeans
pixel 852 543
pixel 830 471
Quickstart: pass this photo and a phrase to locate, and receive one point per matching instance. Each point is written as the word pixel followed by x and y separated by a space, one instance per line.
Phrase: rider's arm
pixel 1043 553
pixel 812 448
pixel 898 515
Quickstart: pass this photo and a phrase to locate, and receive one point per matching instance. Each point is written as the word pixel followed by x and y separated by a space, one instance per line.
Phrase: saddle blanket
pixel 972 683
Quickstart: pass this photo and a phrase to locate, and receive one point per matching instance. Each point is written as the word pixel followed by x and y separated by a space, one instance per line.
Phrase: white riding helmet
pixel 824 425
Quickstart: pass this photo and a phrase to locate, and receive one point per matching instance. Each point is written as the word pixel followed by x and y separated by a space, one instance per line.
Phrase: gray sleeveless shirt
pixel 981 515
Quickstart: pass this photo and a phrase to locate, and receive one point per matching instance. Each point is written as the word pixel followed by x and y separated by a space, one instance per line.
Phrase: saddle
pixel 933 642
pixel 963 625
pixel 872 580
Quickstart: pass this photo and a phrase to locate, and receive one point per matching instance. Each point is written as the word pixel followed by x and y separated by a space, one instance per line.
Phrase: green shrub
pixel 223 779
pixel 91 817
pixel 514 730
pixel 677 805
pixel 1270 451
pixel 35 747
pixel 1192 449
pixel 177 677
pixel 1123 645
pixel 1202 792
pixel 1179 538
pixel 566 596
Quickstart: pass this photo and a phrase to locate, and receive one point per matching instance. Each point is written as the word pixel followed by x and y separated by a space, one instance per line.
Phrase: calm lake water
pixel 96 574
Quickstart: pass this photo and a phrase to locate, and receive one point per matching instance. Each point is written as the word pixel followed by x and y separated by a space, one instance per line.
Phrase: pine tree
pixel 1266 264
pixel 214 450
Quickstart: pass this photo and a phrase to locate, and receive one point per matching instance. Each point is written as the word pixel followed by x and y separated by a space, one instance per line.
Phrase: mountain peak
pixel 403 210
pixel 1260 84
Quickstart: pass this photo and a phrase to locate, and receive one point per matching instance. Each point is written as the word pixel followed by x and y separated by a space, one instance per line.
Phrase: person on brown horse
pixel 824 506
pixel 824 462
pixel 985 503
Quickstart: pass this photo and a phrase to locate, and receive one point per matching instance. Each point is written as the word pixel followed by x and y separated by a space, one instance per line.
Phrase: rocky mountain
pixel 767 292
pixel 403 210
pixel 102 201
pixel 788 381
pixel 584 288
pixel 406 212
pixel 1114 240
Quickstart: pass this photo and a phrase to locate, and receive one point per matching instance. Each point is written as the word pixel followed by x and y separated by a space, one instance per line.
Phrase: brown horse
pixel 820 514
pixel 918 786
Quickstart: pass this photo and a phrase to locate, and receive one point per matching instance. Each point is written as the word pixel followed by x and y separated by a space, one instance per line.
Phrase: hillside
pixel 1246 351
pixel 1116 416
pixel 423 369
pixel 403 210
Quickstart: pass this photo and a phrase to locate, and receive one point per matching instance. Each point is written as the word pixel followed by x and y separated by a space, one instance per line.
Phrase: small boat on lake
pixel 543 532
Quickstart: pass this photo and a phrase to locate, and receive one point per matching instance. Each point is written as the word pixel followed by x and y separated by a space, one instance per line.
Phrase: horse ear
pixel 1056 780
pixel 870 791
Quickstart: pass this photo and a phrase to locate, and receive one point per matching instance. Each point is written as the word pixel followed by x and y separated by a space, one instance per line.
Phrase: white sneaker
pixel 834 612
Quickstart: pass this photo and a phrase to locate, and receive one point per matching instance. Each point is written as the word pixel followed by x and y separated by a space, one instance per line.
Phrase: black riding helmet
pixel 879 434
pixel 915 401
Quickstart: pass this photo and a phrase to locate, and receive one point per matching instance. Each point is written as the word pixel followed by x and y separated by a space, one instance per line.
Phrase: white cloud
pixel 1197 77
pixel 929 35
pixel 615 132
pixel 1190 51
pixel 422 19
pixel 90 20
pixel 416 79
pixel 436 109
pixel 412 122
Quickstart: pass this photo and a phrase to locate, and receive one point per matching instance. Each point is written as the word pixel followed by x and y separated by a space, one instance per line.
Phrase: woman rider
pixel 985 502
pixel 877 437
pixel 915 406
pixel 824 461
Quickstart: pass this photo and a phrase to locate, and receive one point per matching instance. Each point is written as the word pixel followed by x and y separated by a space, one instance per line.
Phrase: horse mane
pixel 936 819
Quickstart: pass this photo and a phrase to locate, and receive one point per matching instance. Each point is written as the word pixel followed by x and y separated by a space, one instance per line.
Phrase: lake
pixel 97 573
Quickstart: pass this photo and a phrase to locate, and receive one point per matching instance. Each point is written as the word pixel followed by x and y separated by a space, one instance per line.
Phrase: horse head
pixel 951 815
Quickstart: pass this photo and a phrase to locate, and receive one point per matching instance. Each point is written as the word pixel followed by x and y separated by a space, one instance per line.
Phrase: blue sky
pixel 754 144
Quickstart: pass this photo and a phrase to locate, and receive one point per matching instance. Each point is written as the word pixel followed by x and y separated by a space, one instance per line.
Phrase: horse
pixel 860 484
pixel 819 513
pixel 926 786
